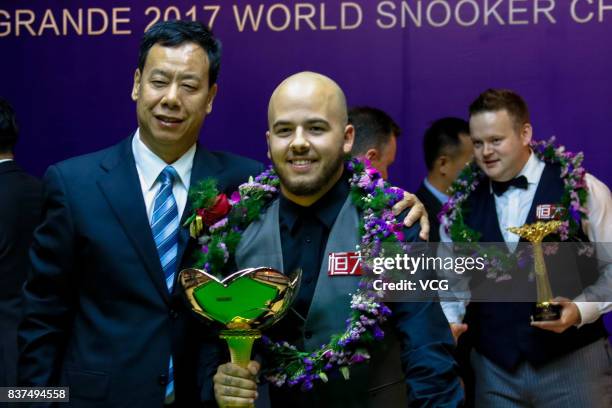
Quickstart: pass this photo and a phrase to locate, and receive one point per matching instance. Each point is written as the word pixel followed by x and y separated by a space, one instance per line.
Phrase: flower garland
pixel 218 223
pixel 573 200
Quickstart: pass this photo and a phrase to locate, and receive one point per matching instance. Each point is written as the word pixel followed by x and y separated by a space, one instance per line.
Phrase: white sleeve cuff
pixel 589 311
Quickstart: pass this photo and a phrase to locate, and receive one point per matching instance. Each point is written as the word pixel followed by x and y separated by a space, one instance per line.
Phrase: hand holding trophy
pixel 535 233
pixel 242 302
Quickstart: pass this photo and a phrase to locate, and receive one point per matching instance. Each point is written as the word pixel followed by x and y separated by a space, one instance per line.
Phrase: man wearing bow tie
pixel 566 362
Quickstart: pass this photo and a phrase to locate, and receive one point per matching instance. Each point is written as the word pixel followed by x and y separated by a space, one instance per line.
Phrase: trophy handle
pixel 240 343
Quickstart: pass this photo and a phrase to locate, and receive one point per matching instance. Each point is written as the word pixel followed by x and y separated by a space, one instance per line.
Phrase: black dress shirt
pixel 304 232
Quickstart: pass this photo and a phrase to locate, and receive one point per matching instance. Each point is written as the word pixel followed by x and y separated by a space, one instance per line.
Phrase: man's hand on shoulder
pixel 417 212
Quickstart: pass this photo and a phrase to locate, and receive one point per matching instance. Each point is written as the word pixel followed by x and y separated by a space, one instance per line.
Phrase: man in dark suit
pixel 447 148
pixel 20 198
pixel 314 216
pixel 102 311
pixel 376 136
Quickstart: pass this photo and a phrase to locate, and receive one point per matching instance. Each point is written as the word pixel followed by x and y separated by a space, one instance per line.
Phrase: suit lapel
pixel 205 165
pixel 121 188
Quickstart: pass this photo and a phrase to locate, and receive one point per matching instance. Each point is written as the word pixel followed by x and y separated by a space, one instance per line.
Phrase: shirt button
pixel 174 314
pixel 163 379
pixel 308 240
pixel 308 334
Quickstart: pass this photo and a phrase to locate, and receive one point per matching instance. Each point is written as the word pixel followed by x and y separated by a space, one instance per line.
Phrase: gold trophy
pixel 244 302
pixel 535 233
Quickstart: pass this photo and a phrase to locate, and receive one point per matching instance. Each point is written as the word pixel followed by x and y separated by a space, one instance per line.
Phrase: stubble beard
pixel 304 188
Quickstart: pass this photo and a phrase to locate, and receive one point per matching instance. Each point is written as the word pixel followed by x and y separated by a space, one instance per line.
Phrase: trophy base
pixel 546 312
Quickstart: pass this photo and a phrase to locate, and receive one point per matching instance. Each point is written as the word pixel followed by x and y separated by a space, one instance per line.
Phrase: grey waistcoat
pixel 377 383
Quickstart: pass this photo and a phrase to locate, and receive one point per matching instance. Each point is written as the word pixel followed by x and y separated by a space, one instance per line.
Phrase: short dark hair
pixel 8 127
pixel 493 100
pixel 373 128
pixel 176 32
pixel 442 137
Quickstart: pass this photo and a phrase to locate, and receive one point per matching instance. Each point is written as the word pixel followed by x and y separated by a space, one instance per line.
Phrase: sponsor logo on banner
pixel 344 264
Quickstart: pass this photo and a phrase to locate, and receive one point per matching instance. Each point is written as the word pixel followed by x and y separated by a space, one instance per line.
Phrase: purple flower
pixel 307 385
pixel 364 181
pixel 235 197
pixel 357 358
pixel 218 225
pixel 384 310
pixel 575 214
pixel 378 333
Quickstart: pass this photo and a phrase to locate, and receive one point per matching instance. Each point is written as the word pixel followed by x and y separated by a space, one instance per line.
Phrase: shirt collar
pixel 6 160
pixel 326 209
pixel 442 198
pixel 150 165
pixel 532 170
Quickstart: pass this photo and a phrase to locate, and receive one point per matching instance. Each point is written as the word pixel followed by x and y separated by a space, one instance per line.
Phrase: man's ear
pixel 442 164
pixel 268 143
pixel 526 134
pixel 211 97
pixel 371 154
pixel 136 86
pixel 349 138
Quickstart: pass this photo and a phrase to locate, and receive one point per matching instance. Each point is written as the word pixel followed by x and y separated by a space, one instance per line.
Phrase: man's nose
pixel 487 149
pixel 171 97
pixel 300 143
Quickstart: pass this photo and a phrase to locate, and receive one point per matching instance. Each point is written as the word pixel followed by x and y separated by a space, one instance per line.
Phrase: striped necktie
pixel 165 225
pixel 165 228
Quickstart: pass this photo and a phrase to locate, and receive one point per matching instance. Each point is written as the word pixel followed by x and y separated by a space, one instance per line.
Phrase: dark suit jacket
pixel 98 316
pixel 433 207
pixel 20 199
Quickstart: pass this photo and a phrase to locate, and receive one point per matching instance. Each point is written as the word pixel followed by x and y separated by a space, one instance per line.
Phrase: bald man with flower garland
pixel 412 365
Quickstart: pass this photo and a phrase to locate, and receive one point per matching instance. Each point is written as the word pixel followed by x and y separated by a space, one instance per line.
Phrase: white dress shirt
pixel 149 166
pixel 513 206
pixel 512 209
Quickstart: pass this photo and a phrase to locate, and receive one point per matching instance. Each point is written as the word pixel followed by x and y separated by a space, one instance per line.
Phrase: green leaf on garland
pixel 323 377
pixel 204 193
pixel 344 370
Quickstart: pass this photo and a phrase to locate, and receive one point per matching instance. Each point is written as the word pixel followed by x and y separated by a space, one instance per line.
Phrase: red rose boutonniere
pixel 209 208
pixel 219 209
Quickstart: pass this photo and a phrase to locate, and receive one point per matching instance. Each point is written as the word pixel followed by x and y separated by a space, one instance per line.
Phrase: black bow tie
pixel 500 187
